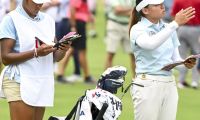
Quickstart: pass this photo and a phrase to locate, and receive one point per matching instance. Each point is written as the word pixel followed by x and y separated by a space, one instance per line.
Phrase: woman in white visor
pixel 155 44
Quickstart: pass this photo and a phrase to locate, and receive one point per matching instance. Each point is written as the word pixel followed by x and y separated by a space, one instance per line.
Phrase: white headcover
pixel 41 1
pixel 144 3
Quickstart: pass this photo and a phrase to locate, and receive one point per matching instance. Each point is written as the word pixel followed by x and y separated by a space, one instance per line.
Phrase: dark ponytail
pixel 135 16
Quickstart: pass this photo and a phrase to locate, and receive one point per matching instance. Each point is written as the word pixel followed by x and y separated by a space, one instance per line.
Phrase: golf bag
pixel 100 103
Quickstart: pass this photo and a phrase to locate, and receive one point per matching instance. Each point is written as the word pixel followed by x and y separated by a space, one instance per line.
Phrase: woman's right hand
pixel 45 49
pixel 184 15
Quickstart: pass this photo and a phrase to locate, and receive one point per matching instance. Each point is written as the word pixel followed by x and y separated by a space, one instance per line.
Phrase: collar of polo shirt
pixel 41 1
pixel 144 3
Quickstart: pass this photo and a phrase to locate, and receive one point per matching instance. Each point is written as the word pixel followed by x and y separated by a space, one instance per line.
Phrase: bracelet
pixel 35 53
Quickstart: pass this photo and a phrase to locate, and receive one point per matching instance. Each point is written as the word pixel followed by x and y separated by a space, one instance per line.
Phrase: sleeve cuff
pixel 173 25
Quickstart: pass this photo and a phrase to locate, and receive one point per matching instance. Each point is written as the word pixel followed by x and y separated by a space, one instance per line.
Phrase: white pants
pixel 157 100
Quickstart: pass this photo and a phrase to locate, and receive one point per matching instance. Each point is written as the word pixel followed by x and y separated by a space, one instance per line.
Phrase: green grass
pixel 66 95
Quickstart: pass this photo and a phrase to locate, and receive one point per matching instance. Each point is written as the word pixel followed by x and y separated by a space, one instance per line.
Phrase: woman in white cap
pixel 155 44
pixel 27 81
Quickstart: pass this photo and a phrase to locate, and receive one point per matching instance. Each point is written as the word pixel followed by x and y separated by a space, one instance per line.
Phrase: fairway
pixel 66 95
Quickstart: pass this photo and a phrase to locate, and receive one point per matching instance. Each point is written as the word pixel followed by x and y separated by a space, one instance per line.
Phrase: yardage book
pixel 71 36
pixel 174 64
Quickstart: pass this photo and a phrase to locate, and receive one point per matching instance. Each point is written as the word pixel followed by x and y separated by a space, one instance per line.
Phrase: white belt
pixel 156 77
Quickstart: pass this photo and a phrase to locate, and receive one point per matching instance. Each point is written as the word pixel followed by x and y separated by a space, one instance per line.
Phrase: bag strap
pixel 69 116
pixel 102 112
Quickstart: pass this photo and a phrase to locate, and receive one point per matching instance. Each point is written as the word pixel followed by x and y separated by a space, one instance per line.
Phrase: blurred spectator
pixel 168 7
pixel 58 10
pixel 108 7
pixel 52 9
pixel 4 8
pixel 77 72
pixel 79 15
pixel 14 4
pixel 92 4
pixel 63 28
pixel 117 30
pixel 188 36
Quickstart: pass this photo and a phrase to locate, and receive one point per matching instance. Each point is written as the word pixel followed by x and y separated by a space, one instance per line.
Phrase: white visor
pixel 41 1
pixel 144 3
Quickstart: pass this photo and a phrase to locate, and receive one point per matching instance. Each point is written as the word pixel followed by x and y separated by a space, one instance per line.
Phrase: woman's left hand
pixel 190 62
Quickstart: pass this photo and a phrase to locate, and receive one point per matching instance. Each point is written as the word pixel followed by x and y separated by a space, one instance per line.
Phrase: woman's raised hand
pixel 184 15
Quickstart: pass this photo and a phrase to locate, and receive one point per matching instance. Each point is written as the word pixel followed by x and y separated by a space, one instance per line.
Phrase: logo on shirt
pixel 162 27
pixel 151 33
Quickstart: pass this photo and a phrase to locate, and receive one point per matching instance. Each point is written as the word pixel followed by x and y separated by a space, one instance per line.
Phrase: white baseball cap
pixel 144 3
pixel 41 1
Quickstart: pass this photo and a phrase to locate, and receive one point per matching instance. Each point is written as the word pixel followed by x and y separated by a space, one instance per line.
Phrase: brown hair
pixel 135 16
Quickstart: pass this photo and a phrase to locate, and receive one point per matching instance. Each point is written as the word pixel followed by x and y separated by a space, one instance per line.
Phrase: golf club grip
pixel 102 111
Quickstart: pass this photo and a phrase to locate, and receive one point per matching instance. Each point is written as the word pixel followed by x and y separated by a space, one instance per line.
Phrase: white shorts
pixel 117 34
